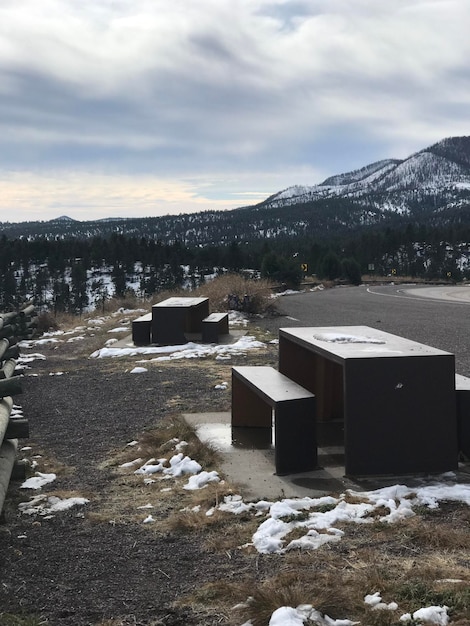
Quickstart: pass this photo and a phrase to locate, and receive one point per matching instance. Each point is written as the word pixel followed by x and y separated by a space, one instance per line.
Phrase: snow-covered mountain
pixel 436 178
pixel 430 188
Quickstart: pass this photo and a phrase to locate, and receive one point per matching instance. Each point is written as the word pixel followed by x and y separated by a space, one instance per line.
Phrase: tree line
pixel 71 274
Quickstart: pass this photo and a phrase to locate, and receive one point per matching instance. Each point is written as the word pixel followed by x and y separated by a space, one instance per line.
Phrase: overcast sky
pixel 149 107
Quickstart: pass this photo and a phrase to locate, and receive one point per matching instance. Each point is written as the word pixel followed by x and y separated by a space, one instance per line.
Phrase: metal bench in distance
pixel 260 391
pixel 213 326
pixel 141 330
pixel 462 390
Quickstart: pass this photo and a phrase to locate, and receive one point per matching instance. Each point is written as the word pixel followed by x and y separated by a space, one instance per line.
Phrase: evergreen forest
pixel 75 273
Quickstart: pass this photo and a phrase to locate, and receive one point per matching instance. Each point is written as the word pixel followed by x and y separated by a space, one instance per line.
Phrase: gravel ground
pixel 74 569
pixel 71 569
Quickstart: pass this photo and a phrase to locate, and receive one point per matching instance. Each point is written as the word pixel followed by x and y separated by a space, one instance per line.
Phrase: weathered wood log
pixel 8 317
pixel 13 352
pixel 6 405
pixel 7 461
pixel 4 345
pixel 18 428
pixel 28 310
pixel 8 369
pixel 10 387
pixel 7 331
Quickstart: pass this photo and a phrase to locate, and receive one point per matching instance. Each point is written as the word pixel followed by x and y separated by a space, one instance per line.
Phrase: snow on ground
pixel 324 513
pixel 277 519
pixel 47 505
pixel 38 481
pixel 289 616
pixel 188 350
pixel 287 292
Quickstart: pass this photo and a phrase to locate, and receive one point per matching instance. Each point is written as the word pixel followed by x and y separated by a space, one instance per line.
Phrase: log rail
pixel 14 326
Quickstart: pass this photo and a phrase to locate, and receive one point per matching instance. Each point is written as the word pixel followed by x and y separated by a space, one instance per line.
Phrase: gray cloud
pixel 261 92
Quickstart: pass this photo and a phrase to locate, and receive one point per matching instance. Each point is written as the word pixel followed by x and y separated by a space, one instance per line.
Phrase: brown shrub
pixel 252 296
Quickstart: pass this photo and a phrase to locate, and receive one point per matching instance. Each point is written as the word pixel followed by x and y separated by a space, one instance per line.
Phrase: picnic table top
pixel 356 342
pixel 180 302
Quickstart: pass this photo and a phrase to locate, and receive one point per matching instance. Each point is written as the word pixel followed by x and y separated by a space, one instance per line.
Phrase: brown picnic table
pixel 174 318
pixel 395 397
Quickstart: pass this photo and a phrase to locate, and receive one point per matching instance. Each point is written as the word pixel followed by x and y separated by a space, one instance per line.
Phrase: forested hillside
pixel 395 217
pixel 73 274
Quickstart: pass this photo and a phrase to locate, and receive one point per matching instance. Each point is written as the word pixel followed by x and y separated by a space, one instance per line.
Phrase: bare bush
pixel 235 291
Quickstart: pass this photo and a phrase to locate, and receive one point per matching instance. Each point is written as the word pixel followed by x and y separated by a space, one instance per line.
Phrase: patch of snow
pixel 345 338
pixel 48 505
pixel 200 480
pixel 38 481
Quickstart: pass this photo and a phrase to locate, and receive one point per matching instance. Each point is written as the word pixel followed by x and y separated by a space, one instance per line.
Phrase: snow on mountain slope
pixel 392 184
pixel 365 174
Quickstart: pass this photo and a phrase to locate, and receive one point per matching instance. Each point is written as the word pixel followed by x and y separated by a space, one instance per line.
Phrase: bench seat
pixel 141 330
pixel 213 326
pixel 462 392
pixel 258 393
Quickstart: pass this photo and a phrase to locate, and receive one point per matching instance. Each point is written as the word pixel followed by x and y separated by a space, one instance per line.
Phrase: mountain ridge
pixel 431 187
pixel 441 168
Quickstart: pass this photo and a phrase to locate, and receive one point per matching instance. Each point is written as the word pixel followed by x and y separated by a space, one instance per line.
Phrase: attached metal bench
pixel 213 326
pixel 260 391
pixel 462 390
pixel 141 330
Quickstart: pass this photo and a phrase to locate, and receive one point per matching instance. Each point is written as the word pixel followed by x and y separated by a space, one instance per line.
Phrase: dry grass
pixel 340 593
pixel 160 442
pixel 415 562
pixel 259 293
pixel 38 460
pixel 173 508
pixel 217 290
pixel 121 312
pixel 442 536
pixel 336 578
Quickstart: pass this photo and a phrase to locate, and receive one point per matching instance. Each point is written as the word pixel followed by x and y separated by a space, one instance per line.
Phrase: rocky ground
pixel 81 566
pixel 100 565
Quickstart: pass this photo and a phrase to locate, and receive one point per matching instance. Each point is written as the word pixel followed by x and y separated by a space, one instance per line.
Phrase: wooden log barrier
pixel 4 346
pixel 13 352
pixel 7 460
pixel 7 318
pixel 11 427
pixel 10 387
pixel 8 369
pixel 6 405
pixel 27 311
pixel 14 325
